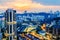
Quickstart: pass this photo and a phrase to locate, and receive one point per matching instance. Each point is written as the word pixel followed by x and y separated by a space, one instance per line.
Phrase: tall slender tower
pixel 10 22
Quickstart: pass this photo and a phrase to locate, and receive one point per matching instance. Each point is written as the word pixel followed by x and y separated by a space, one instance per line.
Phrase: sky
pixel 30 5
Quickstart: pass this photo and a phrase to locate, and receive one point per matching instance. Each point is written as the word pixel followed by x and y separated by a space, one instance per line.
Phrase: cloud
pixel 29 5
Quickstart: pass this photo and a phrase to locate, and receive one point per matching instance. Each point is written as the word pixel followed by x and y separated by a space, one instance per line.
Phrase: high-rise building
pixel 1 25
pixel 10 22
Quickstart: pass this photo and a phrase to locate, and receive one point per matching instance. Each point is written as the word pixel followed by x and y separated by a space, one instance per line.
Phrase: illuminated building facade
pixel 10 22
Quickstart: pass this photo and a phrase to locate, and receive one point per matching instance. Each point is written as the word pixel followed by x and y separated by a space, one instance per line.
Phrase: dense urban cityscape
pixel 29 26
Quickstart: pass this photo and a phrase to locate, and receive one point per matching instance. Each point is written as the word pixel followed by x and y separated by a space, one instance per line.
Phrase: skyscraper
pixel 10 22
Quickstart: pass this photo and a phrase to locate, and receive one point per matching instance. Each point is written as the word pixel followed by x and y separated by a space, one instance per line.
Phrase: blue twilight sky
pixel 48 2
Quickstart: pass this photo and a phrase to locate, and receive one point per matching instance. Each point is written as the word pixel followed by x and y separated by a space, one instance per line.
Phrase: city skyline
pixel 30 5
pixel 28 26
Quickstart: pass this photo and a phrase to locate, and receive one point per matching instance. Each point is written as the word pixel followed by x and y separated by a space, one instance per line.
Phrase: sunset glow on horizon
pixel 29 5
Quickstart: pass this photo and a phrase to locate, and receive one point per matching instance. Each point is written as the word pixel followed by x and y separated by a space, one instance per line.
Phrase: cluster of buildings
pixel 11 21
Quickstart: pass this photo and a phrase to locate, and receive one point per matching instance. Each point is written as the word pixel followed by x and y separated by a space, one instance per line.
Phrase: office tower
pixel 10 22
pixel 1 25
